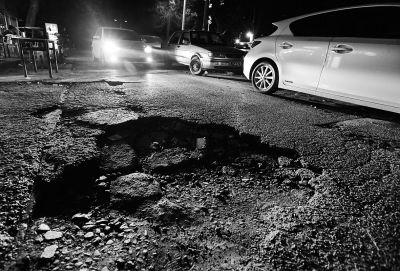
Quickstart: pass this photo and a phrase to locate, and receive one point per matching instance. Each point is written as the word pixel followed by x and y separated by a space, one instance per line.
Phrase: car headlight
pixel 109 46
pixel 148 49
pixel 255 43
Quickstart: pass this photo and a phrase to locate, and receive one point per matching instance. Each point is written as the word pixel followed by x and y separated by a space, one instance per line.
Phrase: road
pixel 49 126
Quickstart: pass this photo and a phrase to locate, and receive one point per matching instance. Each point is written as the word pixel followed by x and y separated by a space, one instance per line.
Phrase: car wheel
pixel 265 78
pixel 195 66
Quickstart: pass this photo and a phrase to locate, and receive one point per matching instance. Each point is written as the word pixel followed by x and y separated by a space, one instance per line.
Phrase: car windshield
pixel 121 34
pixel 206 38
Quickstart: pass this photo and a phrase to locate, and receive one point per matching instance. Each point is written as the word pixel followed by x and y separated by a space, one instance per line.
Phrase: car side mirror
pixel 185 42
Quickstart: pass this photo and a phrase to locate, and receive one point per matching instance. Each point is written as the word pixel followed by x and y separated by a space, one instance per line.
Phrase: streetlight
pixel 184 15
pixel 250 35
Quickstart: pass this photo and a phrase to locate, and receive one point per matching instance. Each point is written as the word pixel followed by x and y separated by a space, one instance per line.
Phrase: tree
pixel 169 14
pixel 32 12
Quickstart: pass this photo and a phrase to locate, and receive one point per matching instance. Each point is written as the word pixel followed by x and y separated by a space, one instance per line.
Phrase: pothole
pixel 162 147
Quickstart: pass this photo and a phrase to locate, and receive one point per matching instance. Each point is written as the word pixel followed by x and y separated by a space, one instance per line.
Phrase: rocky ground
pixel 90 182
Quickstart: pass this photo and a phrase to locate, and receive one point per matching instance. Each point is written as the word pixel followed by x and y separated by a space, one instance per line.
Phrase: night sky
pixel 81 17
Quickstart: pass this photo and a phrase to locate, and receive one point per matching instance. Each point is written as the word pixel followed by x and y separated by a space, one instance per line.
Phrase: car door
pixel 172 46
pixel 183 49
pixel 363 61
pixel 302 54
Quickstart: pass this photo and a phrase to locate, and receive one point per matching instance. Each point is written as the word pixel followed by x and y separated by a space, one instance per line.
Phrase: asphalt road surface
pixel 343 217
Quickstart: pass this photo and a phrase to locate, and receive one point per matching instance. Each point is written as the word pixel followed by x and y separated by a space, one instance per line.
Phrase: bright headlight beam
pixel 109 46
pixel 148 49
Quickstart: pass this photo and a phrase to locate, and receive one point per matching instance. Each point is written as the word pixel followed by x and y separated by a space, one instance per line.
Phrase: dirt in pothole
pixel 166 194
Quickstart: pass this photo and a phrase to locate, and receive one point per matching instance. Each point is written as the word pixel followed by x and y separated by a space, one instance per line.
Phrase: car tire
pixel 265 77
pixel 195 66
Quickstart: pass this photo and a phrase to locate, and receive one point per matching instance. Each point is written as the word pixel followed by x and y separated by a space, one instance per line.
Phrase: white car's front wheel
pixel 195 66
pixel 264 78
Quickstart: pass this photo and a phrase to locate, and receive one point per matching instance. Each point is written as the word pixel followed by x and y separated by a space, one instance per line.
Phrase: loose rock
pixel 43 228
pixel 52 235
pixel 133 189
pixel 49 252
pixel 118 157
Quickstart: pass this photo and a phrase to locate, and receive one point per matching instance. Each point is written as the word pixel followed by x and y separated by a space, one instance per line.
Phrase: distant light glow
pixel 250 35
pixel 148 49
pixel 237 41
pixel 149 59
pixel 113 59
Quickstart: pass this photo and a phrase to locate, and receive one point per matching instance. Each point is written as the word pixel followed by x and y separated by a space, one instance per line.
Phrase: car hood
pixel 222 49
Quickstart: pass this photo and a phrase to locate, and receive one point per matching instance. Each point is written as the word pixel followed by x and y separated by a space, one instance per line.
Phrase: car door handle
pixel 286 45
pixel 342 49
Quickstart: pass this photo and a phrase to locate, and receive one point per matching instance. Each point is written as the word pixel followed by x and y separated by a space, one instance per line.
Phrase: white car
pixel 350 54
pixel 203 51
pixel 114 45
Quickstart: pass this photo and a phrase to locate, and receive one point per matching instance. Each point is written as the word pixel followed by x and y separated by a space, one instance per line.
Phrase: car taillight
pixel 255 43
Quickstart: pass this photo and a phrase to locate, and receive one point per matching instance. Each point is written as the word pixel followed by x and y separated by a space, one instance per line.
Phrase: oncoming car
pixel 350 54
pixel 113 45
pixel 202 51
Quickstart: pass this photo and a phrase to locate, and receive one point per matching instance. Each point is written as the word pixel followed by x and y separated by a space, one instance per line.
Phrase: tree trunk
pixel 32 13
pixel 168 26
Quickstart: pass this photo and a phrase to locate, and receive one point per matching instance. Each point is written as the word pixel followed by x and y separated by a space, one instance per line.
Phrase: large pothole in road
pixel 156 147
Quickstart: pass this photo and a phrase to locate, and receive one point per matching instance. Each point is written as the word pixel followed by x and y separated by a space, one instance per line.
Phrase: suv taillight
pixel 255 43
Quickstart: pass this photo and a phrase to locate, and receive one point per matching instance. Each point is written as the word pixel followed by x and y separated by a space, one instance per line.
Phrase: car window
pixel 121 34
pixel 185 38
pixel 175 38
pixel 368 22
pixel 206 38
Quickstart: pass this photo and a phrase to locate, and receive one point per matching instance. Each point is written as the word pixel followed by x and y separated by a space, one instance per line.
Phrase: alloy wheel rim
pixel 196 66
pixel 264 77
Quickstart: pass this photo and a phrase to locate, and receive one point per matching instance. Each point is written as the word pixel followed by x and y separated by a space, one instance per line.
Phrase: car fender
pixel 266 51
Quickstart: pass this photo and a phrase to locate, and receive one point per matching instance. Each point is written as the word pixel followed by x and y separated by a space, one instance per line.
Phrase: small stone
pixel 89 261
pixel 39 239
pixel 78 264
pixel 105 268
pixel 96 253
pixel 89 235
pixel 49 252
pixel 88 227
pixel 102 178
pixel 270 237
pixel 284 161
pixel 305 174
pixel 43 228
pixel 52 235
pixel 109 242
pixel 201 143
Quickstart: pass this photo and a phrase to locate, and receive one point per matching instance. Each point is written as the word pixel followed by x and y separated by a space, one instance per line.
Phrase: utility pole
pixel 205 16
pixel 184 15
